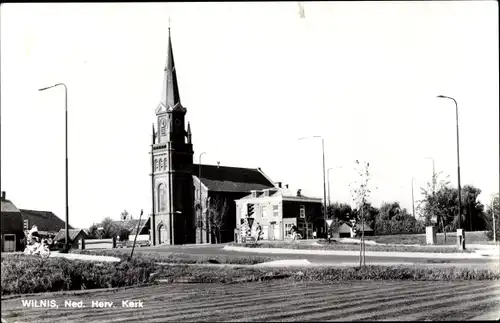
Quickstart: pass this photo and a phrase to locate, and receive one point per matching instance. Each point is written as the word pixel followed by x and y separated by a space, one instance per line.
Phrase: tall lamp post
pixel 328 179
pixel 201 203
pixel 324 180
pixel 462 245
pixel 66 160
pixel 433 175
pixel 412 198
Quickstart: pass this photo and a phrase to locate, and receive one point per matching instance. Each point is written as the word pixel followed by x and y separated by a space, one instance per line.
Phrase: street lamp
pixel 66 160
pixel 324 180
pixel 328 179
pixel 433 175
pixel 462 245
pixel 412 199
pixel 201 204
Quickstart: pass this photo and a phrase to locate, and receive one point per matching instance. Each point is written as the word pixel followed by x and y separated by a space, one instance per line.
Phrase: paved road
pixel 217 250
pixel 270 301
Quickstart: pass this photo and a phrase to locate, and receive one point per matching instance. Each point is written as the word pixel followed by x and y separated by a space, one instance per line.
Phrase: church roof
pixel 232 179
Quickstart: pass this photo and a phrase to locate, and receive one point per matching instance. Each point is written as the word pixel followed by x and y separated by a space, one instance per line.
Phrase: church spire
pixel 170 91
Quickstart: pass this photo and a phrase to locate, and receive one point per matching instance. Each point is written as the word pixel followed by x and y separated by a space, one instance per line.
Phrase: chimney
pixel 298 192
pixel 278 184
pixel 3 195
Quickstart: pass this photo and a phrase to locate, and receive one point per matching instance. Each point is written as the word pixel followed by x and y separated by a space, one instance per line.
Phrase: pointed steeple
pixel 189 133
pixel 170 90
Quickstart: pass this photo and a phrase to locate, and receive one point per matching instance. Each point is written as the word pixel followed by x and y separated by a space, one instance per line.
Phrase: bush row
pixel 386 227
pixel 31 274
pixel 234 275
pixel 352 247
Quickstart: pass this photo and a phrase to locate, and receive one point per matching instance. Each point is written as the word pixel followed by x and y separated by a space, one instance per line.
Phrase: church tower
pixel 172 165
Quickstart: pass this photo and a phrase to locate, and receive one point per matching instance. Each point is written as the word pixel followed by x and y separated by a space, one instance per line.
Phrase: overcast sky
pixel 254 77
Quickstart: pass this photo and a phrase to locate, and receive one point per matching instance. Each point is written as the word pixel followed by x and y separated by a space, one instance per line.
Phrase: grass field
pixel 271 301
pixel 477 237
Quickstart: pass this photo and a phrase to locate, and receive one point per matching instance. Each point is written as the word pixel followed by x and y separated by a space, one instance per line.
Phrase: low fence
pixel 97 243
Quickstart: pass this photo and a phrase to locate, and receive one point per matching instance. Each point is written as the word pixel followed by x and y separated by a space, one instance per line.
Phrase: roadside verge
pixel 355 253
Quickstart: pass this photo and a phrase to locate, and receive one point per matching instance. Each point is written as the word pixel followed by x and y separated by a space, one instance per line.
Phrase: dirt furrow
pixel 398 306
pixel 245 311
pixel 320 307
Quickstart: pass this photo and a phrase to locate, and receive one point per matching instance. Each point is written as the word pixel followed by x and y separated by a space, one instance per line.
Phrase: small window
pixel 264 212
pixel 302 211
pixel 275 211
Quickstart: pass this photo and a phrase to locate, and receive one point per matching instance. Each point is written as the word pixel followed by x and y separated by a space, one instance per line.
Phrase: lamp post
pixel 433 175
pixel 412 198
pixel 328 179
pixel 201 204
pixel 66 159
pixel 462 245
pixel 324 180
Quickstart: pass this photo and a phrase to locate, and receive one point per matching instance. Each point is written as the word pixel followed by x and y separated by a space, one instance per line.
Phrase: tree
pixel 124 215
pixel 360 194
pixel 473 210
pixel 388 211
pixel 493 211
pixel 217 212
pixel 435 203
pixel 123 234
pixel 109 230
pixel 92 232
pixel 339 211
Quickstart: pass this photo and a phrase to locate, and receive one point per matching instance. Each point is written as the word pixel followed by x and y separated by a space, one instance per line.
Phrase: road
pixel 217 250
pixel 270 301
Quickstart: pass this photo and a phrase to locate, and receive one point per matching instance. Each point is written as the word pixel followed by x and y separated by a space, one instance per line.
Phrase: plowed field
pixel 270 301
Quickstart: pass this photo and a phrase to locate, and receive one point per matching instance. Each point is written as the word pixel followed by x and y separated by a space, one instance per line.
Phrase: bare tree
pixel 217 211
pixel 124 215
pixel 360 194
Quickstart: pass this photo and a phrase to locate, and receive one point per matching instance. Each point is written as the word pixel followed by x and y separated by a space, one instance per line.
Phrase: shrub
pixel 31 274
pixel 235 275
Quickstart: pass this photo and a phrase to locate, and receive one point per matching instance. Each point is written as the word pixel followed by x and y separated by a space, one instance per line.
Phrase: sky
pixel 254 78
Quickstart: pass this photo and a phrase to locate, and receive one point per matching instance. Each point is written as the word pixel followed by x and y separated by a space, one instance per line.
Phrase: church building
pixel 183 194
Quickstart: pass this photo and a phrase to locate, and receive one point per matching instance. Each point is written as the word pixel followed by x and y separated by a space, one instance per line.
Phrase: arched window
pixel 162 198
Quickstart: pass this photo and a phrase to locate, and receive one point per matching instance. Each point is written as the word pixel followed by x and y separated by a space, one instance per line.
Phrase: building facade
pixel 183 194
pixel 12 233
pixel 277 210
pixel 172 163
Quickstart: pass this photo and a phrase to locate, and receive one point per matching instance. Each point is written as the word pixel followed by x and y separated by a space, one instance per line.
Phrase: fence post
pixel 114 242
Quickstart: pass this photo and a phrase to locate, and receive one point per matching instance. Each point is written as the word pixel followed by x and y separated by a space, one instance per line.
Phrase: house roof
pixel 343 228
pixel 44 220
pixel 232 179
pixel 8 206
pixel 130 225
pixel 286 193
pixel 366 226
pixel 73 233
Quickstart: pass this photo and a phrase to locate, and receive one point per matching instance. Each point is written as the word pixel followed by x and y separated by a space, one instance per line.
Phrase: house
pixel 12 233
pixel 277 210
pixel 221 184
pixel 132 225
pixel 48 223
pixel 345 230
pixel 76 237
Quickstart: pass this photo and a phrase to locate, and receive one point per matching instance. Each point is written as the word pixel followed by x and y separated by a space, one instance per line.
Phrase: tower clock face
pixel 177 122
pixel 163 124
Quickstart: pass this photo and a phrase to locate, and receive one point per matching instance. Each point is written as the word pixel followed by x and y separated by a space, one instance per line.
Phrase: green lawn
pixel 478 237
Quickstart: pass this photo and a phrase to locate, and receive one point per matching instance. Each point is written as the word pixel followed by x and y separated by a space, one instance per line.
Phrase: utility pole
pixel 412 198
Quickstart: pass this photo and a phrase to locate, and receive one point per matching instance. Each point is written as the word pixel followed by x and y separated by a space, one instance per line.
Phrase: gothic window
pixel 161 164
pixel 162 205
pixel 165 162
pixel 156 164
